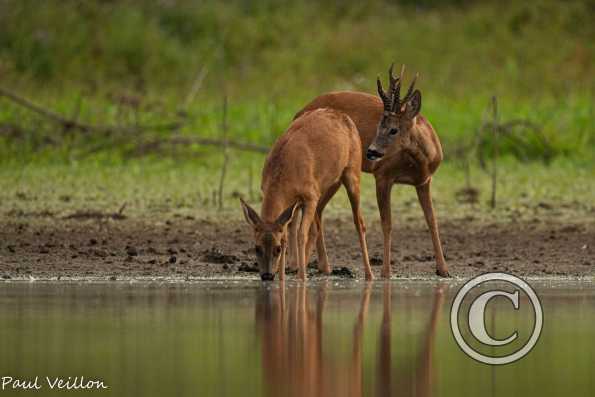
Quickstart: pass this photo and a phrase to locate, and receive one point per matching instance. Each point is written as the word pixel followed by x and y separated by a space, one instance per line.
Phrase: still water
pixel 246 339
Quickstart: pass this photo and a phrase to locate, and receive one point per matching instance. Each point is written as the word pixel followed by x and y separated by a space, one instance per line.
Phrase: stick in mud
pixel 225 155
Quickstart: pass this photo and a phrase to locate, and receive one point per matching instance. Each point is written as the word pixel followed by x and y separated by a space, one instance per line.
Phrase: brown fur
pixel 306 165
pixel 411 159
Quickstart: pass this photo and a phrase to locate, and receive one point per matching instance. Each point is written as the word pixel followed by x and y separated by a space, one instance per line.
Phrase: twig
pixel 155 144
pixel 68 124
pixel 122 208
pixel 77 108
pixel 92 214
pixel 494 150
pixel 38 109
pixel 225 154
pixel 196 85
pixel 245 146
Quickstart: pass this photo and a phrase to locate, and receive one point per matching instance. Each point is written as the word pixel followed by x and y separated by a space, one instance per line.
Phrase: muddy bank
pixel 186 248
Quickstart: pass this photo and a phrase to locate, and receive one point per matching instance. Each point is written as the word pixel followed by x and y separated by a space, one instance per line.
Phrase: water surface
pixel 325 339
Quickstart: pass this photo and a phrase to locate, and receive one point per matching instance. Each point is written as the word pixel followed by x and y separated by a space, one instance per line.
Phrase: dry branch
pixel 196 85
pixel 224 128
pixel 494 150
pixel 98 215
pixel 155 144
pixel 123 131
pixel 69 124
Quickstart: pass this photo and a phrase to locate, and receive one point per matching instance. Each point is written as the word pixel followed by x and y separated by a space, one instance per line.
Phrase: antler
pixel 385 99
pixel 410 90
pixel 392 101
pixel 396 102
pixel 396 94
pixel 393 80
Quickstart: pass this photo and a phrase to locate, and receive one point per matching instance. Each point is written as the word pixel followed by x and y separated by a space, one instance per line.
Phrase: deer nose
pixel 372 154
pixel 267 276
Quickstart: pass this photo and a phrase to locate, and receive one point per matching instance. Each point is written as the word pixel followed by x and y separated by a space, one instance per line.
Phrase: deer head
pixel 398 114
pixel 270 238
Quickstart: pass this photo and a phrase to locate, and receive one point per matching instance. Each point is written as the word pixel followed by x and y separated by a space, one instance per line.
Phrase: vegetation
pixel 137 65
pixel 117 62
pixel 159 190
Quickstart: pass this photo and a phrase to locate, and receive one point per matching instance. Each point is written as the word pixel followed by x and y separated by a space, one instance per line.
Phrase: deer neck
pixel 273 204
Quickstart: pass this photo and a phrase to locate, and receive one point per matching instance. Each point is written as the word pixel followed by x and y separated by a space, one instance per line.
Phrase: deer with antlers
pixel 306 166
pixel 402 147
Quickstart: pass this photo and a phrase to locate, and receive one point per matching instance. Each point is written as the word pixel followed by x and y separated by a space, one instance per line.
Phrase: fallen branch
pixel 69 124
pixel 92 214
pixel 225 155
pixel 495 151
pixel 155 144
pixel 196 85
pixel 11 130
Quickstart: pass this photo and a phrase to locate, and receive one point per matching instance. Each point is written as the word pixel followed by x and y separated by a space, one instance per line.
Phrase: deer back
pixel 413 157
pixel 312 153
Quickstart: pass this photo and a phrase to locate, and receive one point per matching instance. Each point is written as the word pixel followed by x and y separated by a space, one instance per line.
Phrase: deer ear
pixel 251 216
pixel 287 215
pixel 413 105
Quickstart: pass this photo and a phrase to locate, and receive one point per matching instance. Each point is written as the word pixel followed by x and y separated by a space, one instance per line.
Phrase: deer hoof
pixel 443 273
pixel 325 270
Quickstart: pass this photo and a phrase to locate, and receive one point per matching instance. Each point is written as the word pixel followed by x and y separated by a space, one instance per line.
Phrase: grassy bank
pixel 159 189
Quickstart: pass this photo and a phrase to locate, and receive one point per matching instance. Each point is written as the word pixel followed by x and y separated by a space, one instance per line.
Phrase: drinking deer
pixel 402 147
pixel 306 166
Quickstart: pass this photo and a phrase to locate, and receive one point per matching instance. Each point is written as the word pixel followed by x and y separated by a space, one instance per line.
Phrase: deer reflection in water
pixel 294 363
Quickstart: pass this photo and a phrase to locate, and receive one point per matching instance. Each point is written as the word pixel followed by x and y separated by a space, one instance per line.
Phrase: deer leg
pixel 425 200
pixel 312 238
pixel 282 261
pixel 317 232
pixel 383 190
pixel 351 182
pixel 308 214
pixel 293 244
pixel 323 263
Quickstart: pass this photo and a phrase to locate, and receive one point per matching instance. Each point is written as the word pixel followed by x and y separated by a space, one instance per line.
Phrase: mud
pixel 187 248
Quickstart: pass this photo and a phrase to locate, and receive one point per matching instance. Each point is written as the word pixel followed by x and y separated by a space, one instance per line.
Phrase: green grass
pixel 271 58
pixel 158 189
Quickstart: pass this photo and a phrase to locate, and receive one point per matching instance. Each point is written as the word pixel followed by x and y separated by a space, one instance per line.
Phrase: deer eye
pixel 258 250
pixel 393 131
pixel 277 250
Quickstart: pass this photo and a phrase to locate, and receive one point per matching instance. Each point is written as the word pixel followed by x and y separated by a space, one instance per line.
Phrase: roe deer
pixel 306 166
pixel 402 148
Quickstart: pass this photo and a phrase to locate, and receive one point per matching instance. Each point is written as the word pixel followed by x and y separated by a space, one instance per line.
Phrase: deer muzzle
pixel 373 154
